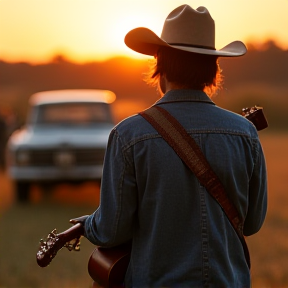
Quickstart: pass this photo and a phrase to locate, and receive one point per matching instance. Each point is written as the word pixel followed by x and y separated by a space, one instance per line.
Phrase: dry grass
pixel 21 229
pixel 269 247
pixel 23 225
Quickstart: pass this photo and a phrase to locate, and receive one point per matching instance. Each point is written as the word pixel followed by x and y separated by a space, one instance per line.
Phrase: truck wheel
pixel 22 191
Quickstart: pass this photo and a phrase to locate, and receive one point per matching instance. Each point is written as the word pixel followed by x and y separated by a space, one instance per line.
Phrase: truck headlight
pixel 23 157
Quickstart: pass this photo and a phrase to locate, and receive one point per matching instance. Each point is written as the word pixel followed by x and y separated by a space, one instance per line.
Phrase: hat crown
pixel 187 26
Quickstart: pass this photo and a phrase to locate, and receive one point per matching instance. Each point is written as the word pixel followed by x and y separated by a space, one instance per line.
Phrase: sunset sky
pixel 92 30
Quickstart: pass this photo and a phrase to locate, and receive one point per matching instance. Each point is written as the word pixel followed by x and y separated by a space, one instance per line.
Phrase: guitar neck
pixel 75 231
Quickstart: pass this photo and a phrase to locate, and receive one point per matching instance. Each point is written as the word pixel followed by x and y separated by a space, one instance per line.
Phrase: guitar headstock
pixel 256 116
pixel 48 249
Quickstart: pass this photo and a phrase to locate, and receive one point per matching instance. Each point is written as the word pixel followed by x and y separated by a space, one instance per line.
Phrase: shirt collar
pixel 183 95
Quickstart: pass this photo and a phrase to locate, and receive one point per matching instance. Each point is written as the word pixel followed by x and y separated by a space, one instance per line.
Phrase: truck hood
pixel 58 136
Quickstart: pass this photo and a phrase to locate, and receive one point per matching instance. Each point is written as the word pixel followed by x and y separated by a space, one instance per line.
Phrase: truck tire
pixel 22 191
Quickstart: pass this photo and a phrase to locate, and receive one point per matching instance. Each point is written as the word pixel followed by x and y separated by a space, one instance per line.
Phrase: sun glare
pixel 121 27
pixel 85 30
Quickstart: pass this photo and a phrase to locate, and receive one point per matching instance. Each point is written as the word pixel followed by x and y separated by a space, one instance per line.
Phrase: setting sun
pixel 85 30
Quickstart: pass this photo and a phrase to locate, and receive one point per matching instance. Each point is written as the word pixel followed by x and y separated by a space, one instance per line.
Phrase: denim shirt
pixel 180 235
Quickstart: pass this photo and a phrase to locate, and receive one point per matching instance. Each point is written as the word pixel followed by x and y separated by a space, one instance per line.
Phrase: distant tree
pixel 264 65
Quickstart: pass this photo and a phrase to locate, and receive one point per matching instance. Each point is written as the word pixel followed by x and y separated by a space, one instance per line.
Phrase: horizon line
pixel 67 57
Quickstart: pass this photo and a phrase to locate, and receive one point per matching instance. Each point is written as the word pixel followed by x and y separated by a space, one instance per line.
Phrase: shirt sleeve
pixel 112 223
pixel 257 207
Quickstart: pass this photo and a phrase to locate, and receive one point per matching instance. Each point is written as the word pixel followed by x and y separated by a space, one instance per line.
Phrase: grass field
pixel 22 226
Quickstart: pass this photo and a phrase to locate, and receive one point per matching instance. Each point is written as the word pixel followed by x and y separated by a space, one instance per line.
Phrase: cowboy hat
pixel 184 29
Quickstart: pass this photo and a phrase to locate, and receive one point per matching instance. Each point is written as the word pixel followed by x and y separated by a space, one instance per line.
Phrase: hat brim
pixel 145 41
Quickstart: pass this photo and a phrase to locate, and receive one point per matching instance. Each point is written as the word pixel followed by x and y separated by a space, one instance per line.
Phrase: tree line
pixel 261 76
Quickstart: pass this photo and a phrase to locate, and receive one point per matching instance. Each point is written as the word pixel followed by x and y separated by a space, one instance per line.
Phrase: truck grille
pixel 82 157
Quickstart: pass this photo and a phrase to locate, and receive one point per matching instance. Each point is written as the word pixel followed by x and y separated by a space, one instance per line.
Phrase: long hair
pixel 187 70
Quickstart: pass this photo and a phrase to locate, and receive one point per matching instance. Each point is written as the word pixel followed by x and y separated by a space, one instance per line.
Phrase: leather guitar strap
pixel 191 154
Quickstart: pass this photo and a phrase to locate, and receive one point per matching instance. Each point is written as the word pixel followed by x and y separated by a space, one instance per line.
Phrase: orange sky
pixel 85 30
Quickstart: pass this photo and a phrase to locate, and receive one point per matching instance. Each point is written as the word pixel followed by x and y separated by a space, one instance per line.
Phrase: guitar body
pixel 108 266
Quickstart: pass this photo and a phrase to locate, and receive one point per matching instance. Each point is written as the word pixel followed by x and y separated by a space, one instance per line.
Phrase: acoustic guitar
pixel 108 266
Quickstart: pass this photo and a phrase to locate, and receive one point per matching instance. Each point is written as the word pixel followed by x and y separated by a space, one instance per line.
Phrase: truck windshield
pixel 73 113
